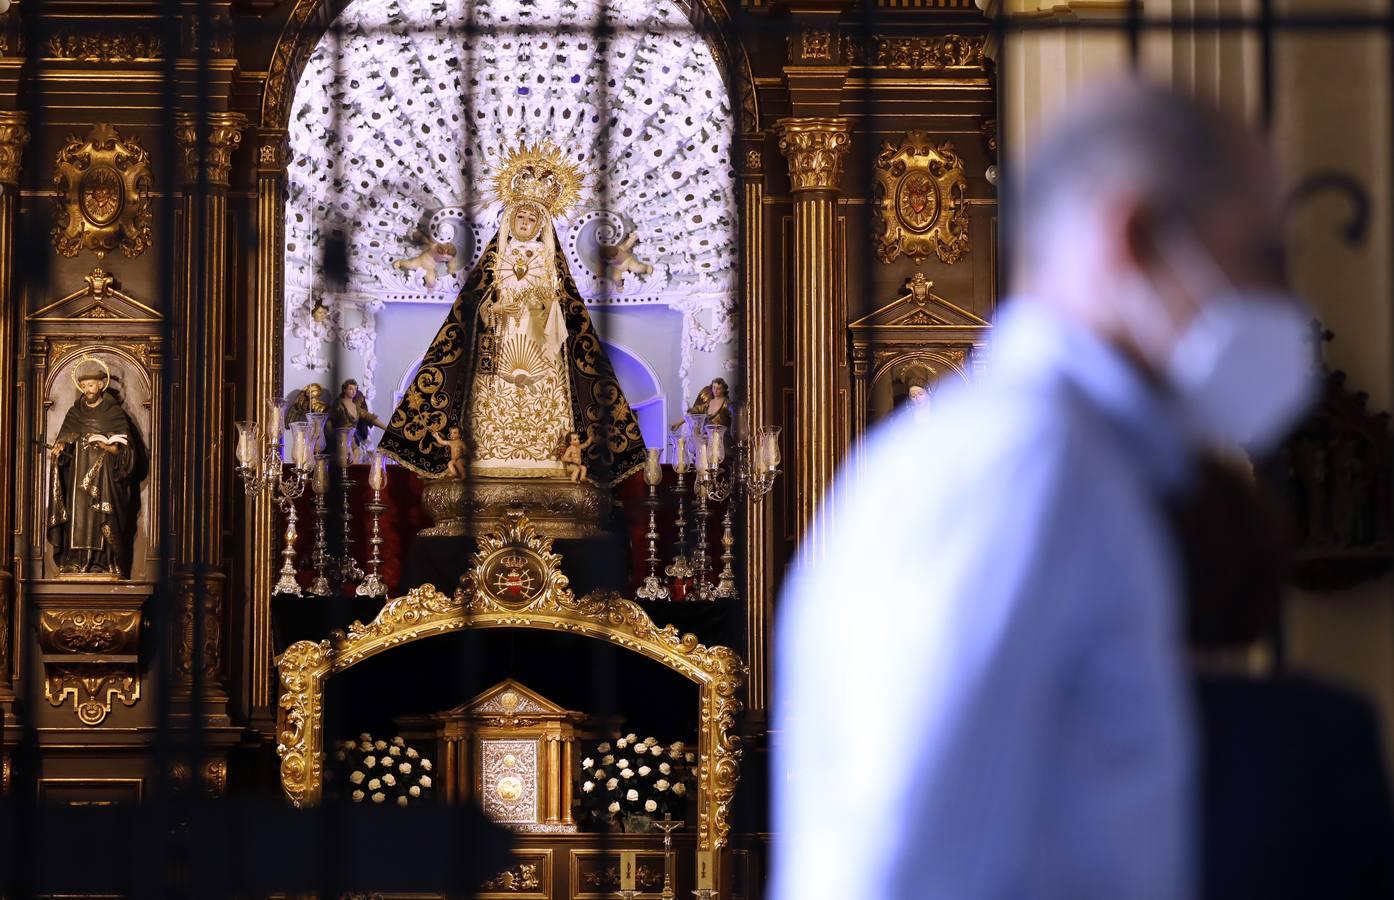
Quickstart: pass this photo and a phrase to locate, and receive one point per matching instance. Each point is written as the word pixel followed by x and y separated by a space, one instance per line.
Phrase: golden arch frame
pixel 306 23
pixel 425 612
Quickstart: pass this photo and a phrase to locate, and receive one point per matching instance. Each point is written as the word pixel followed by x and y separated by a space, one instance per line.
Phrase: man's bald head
pixel 1179 159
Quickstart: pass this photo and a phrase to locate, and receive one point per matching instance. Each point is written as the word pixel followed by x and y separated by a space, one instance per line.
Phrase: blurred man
pixel 980 693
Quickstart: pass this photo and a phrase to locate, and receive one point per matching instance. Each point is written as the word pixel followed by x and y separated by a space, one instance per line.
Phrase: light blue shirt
pixel 979 694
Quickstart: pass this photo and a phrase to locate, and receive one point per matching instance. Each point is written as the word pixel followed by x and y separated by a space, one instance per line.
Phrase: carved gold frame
pixel 425 612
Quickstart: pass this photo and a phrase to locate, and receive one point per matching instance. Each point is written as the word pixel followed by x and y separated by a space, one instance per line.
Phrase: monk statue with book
pixel 92 491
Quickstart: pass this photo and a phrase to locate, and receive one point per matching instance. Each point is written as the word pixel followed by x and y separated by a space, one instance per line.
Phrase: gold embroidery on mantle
pixel 425 612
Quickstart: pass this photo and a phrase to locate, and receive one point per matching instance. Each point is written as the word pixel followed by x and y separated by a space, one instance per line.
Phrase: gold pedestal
pixel 558 507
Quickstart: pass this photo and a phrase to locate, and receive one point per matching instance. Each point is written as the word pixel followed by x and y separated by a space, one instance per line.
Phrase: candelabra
pixel 260 465
pixel 373 585
pixel 653 588
pixel 750 473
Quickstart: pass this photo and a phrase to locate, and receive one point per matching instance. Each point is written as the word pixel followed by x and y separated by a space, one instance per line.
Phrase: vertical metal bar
pixel 1000 37
pixel 151 879
pixel 32 281
pixel 1266 65
pixel 1134 26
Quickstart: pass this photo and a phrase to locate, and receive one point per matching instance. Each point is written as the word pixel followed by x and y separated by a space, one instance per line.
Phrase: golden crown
pixel 539 174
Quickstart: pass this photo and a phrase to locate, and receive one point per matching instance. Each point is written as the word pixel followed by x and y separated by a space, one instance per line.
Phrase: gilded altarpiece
pixel 89 619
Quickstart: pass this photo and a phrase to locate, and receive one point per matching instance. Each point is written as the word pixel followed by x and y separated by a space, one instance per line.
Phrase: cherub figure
pixel 429 261
pixel 571 458
pixel 458 451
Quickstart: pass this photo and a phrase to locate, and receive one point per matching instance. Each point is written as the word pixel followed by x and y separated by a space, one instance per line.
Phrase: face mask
pixel 1241 369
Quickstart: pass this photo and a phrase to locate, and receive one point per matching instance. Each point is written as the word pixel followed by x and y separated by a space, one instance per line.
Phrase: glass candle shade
pixel 300 444
pixel 316 433
pixel 248 444
pixel 769 447
pixel 680 453
pixel 377 474
pixel 653 470
pixel 716 445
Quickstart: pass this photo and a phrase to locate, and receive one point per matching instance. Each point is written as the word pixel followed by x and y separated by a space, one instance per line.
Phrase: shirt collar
pixel 1031 339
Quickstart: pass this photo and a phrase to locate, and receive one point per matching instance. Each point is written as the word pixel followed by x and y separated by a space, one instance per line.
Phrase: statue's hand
pixel 57 450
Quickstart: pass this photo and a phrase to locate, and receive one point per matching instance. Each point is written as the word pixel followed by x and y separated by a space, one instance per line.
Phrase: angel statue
pixel 517 361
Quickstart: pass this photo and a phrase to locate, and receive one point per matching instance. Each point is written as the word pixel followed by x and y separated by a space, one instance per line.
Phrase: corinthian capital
pixel 13 137
pixel 224 137
pixel 815 149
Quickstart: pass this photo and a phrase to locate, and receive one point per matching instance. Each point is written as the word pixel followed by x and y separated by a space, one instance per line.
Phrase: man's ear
pixel 1136 224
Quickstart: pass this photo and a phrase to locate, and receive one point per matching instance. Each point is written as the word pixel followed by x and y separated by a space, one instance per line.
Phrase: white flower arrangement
pixel 629 792
pixel 378 771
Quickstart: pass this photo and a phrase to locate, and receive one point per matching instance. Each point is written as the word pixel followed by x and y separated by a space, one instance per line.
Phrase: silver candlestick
pixel 321 559
pixel 653 587
pixel 349 571
pixel 680 567
pixel 701 561
pixel 373 585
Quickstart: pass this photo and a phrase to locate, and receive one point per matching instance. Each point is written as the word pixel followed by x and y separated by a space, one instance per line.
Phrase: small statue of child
pixel 571 458
pixel 458 450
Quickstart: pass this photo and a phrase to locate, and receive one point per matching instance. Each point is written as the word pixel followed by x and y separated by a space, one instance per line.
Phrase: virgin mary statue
pixel 517 366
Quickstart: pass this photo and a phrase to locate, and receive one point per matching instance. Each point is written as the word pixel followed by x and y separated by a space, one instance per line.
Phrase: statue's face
pixel 91 388
pixel 454 434
pixel 918 395
pixel 526 223
pixel 719 388
pixel 350 391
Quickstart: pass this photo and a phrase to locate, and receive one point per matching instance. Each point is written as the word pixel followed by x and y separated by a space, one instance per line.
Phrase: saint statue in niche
pixel 517 361
pixel 94 464
pixel 918 382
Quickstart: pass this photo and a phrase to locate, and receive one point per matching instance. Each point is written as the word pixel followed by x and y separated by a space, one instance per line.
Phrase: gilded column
pixel 759 604
pixel 261 351
pixel 201 582
pixel 13 137
pixel 815 149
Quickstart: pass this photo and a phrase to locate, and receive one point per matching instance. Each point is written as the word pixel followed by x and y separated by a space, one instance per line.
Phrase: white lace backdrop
pixel 398 152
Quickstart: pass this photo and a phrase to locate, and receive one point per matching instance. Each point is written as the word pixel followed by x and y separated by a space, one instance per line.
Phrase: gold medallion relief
pixel 920 200
pixel 105 202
